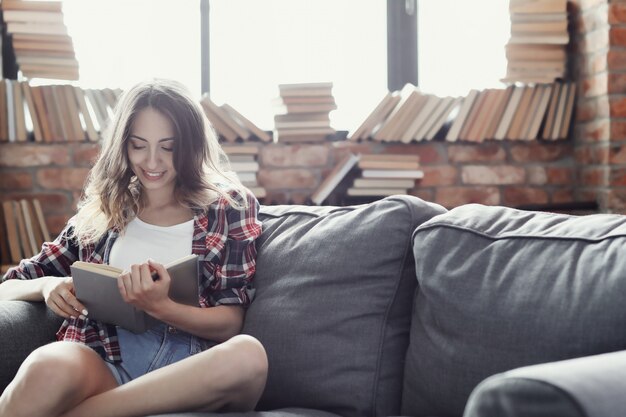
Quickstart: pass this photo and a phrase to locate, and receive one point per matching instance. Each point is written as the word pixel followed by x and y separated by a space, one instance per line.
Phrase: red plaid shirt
pixel 223 239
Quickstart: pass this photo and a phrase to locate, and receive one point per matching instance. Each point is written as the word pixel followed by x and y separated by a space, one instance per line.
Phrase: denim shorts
pixel 157 347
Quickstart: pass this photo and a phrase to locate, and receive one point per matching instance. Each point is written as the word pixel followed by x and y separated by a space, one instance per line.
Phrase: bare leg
pixel 54 379
pixel 230 376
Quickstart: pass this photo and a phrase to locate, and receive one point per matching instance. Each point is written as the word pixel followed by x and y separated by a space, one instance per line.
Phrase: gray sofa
pixel 401 307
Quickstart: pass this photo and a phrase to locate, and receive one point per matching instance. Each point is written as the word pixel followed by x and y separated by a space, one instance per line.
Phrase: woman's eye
pixel 137 147
pixel 168 149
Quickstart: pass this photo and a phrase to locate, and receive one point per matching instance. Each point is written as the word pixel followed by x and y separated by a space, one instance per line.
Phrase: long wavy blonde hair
pixel 113 194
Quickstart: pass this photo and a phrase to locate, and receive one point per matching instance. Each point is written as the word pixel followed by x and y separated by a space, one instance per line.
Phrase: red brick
pixel 596 131
pixel 617 36
pixel 439 175
pixel 429 153
pixel 592 155
pixel 618 130
pixel 560 175
pixel 476 153
pixel 294 156
pixel 617 13
pixel 455 196
pixel 616 60
pixel 618 107
pixel 596 176
pixel 519 196
pixel 563 195
pixel 617 177
pixel 276 197
pixel 617 83
pixel 594 85
pixel 86 154
pixel 501 174
pixel 541 152
pixel 299 198
pixel 426 194
pixel 62 178
pixel 16 180
pixel 287 178
pixel 593 108
pixel 616 201
pixel 20 155
pixel 617 154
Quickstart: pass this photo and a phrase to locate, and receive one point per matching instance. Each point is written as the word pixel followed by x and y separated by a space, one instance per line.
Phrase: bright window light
pixel 461 45
pixel 258 44
pixel 119 43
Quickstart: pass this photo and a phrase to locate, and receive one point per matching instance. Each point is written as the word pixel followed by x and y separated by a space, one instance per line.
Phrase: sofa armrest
pixel 592 386
pixel 24 326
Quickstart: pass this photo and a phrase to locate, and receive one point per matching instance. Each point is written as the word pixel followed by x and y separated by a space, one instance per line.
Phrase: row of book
pixel 536 50
pixel 517 112
pixel 23 230
pixel 302 112
pixel 375 175
pixel 39 39
pixel 231 125
pixel 53 113
pixel 244 162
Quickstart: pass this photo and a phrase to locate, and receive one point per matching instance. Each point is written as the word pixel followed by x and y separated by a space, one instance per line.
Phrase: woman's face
pixel 150 150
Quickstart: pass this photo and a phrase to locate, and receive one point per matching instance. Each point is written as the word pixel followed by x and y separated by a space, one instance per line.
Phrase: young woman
pixel 159 191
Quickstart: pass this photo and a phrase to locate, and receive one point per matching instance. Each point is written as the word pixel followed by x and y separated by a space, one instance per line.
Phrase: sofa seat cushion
pixel 334 289
pixel 501 288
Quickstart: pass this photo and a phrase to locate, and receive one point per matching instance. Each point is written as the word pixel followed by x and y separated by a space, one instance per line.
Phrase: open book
pixel 96 288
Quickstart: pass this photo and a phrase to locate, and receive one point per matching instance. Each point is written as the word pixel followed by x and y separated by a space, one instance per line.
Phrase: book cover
pixel 246 123
pixel 96 287
pixel 333 179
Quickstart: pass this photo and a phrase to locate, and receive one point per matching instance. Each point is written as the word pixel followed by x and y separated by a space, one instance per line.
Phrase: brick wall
pixel 505 173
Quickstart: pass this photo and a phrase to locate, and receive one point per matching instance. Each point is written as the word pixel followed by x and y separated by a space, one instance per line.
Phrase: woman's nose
pixel 153 159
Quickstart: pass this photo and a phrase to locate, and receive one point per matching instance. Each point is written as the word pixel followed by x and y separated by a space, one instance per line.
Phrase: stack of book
pixel 518 112
pixel 536 51
pixel 243 161
pixel 23 230
pixel 231 125
pixel 53 113
pixel 384 175
pixel 334 178
pixel 302 112
pixel 407 115
pixel 43 48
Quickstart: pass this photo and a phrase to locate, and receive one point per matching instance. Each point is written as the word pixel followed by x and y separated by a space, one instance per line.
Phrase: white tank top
pixel 141 241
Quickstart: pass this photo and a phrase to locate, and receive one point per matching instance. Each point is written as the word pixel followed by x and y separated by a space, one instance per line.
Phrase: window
pixel 461 45
pixel 257 44
pixel 119 43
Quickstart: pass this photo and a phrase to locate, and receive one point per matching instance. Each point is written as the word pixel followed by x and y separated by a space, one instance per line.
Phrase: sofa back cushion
pixel 334 288
pixel 503 288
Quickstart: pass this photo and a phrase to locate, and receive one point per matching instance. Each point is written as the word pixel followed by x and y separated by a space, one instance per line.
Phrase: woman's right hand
pixel 58 293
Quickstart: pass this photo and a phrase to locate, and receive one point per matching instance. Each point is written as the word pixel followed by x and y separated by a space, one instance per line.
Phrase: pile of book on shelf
pixel 517 112
pixel 243 161
pixel 23 230
pixel 536 51
pixel 374 176
pixel 302 112
pixel 53 113
pixel 386 174
pixel 39 39
pixel 229 124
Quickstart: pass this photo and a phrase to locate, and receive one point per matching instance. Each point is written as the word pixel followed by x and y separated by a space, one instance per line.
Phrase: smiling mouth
pixel 153 175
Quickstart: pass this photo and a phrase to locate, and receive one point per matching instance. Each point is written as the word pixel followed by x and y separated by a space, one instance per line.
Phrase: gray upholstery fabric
pixel 287 412
pixel 502 288
pixel 24 326
pixel 333 304
pixel 500 396
pixel 591 386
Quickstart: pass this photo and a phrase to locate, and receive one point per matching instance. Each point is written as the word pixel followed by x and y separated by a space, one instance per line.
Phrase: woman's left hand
pixel 139 289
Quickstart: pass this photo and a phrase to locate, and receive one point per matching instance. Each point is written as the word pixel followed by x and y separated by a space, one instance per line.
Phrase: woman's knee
pixel 250 356
pixel 58 364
